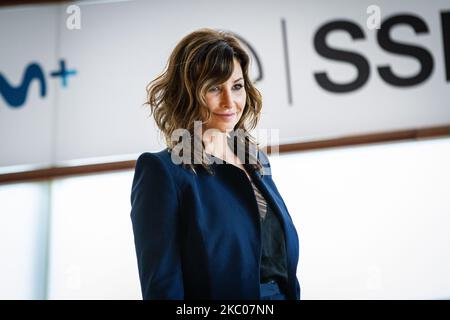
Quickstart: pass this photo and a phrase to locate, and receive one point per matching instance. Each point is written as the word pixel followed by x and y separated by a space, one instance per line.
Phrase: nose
pixel 227 99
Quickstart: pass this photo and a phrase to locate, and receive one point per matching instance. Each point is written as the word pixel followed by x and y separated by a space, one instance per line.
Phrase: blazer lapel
pixel 260 181
pixel 291 238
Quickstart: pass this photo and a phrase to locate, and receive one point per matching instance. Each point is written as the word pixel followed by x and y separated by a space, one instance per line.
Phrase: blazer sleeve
pixel 155 221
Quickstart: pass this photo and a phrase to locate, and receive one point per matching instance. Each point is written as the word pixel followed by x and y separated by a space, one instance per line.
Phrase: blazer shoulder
pixel 161 160
pixel 264 159
pixel 162 157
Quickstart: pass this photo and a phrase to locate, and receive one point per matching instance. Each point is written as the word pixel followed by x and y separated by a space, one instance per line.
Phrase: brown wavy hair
pixel 202 59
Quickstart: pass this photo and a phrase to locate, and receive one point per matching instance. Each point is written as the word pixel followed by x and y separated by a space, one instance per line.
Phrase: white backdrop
pixel 371 226
pixel 121 46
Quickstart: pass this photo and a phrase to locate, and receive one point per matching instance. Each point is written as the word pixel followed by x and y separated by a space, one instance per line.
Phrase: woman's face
pixel 227 101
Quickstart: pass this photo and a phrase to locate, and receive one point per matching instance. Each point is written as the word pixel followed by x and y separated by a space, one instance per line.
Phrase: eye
pixel 236 87
pixel 239 86
pixel 213 89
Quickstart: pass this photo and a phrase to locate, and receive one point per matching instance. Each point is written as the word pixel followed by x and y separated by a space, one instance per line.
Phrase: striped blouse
pixel 273 254
pixel 262 204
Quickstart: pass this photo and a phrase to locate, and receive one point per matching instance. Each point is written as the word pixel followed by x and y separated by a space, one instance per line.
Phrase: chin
pixel 224 129
pixel 228 127
pixel 220 126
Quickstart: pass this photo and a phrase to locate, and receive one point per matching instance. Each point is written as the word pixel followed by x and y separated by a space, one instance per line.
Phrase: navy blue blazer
pixel 198 236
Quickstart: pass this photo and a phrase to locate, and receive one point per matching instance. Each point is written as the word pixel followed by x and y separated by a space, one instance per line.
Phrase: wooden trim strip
pixel 17 3
pixel 57 172
pixel 413 134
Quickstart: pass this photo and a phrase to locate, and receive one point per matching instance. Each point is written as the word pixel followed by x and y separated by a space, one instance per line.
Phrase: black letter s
pixel 356 59
pixel 421 54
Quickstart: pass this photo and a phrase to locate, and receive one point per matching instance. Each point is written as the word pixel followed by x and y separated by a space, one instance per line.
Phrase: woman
pixel 207 218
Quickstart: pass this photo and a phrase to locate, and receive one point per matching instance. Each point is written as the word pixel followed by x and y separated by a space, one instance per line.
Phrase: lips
pixel 226 116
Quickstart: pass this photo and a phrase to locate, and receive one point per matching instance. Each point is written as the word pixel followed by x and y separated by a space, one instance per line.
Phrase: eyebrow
pixel 238 79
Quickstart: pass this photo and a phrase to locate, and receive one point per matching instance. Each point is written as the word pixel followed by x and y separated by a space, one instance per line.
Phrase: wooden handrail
pixel 16 3
pixel 57 172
